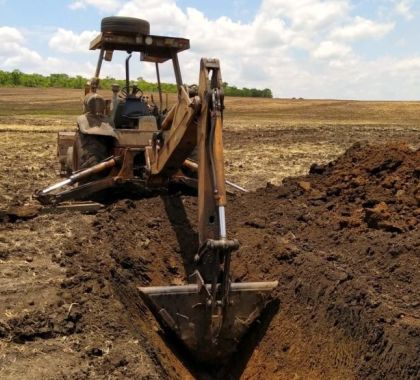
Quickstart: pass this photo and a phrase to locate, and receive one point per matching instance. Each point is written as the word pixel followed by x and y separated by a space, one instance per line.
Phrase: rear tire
pixel 89 150
pixel 126 25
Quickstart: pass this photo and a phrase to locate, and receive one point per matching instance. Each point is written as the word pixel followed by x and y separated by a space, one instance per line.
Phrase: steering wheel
pixel 131 91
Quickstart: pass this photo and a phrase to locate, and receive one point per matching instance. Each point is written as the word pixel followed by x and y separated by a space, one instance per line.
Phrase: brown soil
pixel 343 242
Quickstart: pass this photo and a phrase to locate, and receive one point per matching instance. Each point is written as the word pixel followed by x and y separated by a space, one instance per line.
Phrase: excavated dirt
pixel 343 242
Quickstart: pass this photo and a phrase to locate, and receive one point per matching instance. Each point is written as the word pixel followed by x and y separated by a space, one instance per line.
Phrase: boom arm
pixel 197 121
pixel 212 314
pixel 211 174
pixel 202 127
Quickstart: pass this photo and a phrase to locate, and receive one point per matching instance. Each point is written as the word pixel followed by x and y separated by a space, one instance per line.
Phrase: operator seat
pixel 95 135
pixel 94 121
pixel 129 111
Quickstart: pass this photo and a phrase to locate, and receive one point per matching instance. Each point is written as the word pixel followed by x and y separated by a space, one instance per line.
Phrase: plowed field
pixel 333 215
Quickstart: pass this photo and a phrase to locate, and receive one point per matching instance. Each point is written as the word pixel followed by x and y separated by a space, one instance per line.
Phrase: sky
pixel 341 49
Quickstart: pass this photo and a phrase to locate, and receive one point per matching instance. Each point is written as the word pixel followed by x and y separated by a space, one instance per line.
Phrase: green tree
pixel 18 78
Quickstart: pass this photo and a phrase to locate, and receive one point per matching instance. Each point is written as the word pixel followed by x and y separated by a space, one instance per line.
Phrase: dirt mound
pixel 343 242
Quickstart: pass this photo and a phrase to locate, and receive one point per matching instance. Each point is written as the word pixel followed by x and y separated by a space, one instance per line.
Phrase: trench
pixel 327 318
pixel 187 241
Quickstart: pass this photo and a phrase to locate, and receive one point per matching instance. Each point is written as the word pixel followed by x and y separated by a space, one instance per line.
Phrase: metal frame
pixel 157 49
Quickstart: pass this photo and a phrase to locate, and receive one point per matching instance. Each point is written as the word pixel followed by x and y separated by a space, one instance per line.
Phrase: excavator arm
pixel 197 122
pixel 177 137
pixel 210 314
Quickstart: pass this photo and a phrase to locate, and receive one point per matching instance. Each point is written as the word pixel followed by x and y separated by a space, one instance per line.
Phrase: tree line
pixel 17 78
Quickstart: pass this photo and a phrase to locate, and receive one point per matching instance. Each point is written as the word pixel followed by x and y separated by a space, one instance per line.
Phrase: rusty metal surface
pixel 154 48
pixel 208 218
pixel 81 192
pixel 65 140
pixel 95 125
pixel 84 207
pixel 184 310
pixel 170 151
pixel 126 170
pixel 133 138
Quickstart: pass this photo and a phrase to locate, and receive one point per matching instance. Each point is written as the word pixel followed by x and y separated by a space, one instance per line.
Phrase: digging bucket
pixel 185 311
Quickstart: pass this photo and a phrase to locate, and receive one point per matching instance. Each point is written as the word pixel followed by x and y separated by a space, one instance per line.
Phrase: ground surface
pixel 343 242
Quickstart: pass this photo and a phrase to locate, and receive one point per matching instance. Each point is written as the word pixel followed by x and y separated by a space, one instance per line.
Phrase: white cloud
pixel 362 28
pixel 77 5
pixel 218 36
pixel 240 46
pixel 306 14
pixel 66 41
pixel 12 51
pixel 297 48
pixel 330 49
pixel 102 5
pixel 408 64
pixel 15 55
pixel 404 8
pixel 270 32
pixel 10 35
pixel 382 78
pixel 23 55
pixel 261 53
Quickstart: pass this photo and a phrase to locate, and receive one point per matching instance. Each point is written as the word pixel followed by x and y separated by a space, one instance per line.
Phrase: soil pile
pixel 343 242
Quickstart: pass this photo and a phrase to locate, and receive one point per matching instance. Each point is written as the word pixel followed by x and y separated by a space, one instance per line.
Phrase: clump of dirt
pixel 14 213
pixel 343 242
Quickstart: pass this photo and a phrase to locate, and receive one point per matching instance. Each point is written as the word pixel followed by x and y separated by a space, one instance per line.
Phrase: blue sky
pixel 359 49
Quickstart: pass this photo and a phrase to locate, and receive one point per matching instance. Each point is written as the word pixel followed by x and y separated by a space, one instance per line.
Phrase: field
pixel 343 241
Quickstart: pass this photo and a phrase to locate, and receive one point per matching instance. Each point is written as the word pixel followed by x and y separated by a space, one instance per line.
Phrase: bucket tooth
pixel 183 309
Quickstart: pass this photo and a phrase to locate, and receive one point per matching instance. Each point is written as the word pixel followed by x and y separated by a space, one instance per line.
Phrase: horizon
pixel 245 97
pixel 314 49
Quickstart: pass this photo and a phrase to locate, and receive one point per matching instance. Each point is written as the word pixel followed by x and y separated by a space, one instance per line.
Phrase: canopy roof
pixel 152 48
